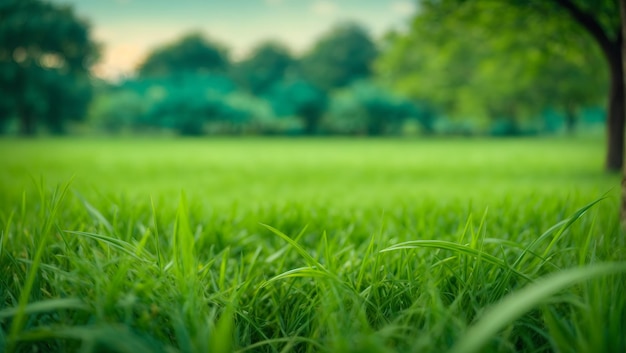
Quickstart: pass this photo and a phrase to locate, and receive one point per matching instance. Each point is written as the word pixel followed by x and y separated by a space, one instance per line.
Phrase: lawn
pixel 310 245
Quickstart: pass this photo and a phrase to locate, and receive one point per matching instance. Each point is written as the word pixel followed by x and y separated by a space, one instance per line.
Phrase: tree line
pixel 461 67
pixel 190 86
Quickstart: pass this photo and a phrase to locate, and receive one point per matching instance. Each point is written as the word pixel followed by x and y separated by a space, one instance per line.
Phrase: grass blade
pixel 221 339
pixel 559 229
pixel 301 272
pixel 116 243
pixel 296 246
pixel 520 302
pixel 184 243
pixel 95 214
pixel 48 214
pixel 458 248
pixel 46 305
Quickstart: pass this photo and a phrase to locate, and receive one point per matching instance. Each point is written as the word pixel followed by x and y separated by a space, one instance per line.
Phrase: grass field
pixel 310 245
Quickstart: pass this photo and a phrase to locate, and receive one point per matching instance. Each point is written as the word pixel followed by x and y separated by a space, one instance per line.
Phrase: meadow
pixel 310 245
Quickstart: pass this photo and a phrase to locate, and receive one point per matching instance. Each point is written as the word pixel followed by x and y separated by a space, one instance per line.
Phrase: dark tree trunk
pixel 27 122
pixel 622 4
pixel 24 110
pixel 570 119
pixel 310 125
pixel 310 115
pixel 615 116
pixel 612 50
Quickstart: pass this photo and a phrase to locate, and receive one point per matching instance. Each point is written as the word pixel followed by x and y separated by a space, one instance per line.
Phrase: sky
pixel 129 29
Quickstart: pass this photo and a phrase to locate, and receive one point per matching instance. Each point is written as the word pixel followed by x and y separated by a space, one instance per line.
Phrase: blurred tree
pixel 550 24
pixel 570 81
pixel 185 82
pixel 196 107
pixel 368 109
pixel 155 87
pixel 244 113
pixel 45 56
pixel 152 103
pixel 118 110
pixel 601 20
pixel 267 64
pixel 190 54
pixel 302 99
pixel 341 57
pixel 454 60
pixel 185 111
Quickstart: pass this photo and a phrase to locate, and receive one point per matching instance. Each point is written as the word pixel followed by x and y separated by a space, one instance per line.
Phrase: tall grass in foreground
pixel 310 246
pixel 88 275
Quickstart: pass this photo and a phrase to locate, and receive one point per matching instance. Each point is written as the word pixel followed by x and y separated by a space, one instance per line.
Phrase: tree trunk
pixel 310 115
pixel 570 119
pixel 612 50
pixel 24 110
pixel 27 121
pixel 616 115
pixel 622 98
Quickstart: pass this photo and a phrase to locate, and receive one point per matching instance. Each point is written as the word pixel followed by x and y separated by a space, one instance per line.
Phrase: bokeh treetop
pixel 34 32
pixel 342 56
pixel 190 54
pixel 45 56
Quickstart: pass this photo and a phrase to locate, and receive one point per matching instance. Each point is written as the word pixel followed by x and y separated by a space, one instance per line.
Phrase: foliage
pixel 410 246
pixel 45 56
pixel 452 57
pixel 118 110
pixel 464 78
pixel 187 104
pixel 185 111
pixel 342 56
pixel 191 114
pixel 299 98
pixel 368 109
pixel 191 53
pixel 268 64
pixel 242 114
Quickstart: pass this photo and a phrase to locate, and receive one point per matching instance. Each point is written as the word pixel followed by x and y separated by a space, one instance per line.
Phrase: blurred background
pixel 310 67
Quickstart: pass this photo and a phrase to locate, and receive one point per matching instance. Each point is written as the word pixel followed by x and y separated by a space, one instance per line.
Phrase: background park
pixel 311 176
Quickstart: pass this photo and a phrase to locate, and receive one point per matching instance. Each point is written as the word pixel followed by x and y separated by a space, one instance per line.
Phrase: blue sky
pixel 130 28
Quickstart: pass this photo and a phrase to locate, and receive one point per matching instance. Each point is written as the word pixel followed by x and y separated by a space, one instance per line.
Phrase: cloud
pixel 324 8
pixel 403 7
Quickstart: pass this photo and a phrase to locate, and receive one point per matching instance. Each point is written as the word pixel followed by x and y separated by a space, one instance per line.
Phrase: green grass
pixel 310 245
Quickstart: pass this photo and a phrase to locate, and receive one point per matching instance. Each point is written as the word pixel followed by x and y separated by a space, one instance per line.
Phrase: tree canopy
pixel 342 56
pixel 579 27
pixel 191 53
pixel 268 64
pixel 300 98
pixel 366 108
pixel 453 59
pixel 45 55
